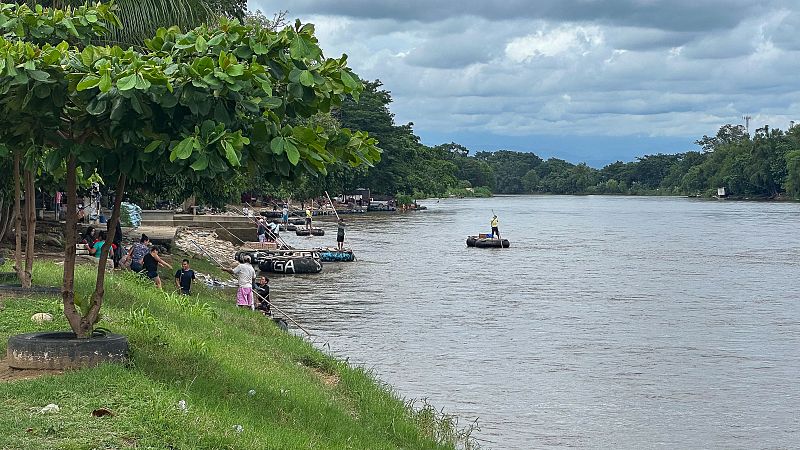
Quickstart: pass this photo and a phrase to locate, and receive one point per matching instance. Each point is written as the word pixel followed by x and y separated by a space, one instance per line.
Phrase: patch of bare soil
pixel 8 375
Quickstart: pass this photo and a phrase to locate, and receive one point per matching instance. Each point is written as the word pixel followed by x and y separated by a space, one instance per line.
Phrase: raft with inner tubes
pixel 476 241
pixel 297 221
pixel 333 254
pixel 290 264
pixel 288 227
pixel 310 232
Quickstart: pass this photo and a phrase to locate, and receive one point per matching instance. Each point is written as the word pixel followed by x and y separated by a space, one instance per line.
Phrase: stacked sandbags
pixel 130 215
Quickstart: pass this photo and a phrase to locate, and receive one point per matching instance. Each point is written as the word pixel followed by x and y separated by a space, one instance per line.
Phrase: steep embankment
pixel 245 383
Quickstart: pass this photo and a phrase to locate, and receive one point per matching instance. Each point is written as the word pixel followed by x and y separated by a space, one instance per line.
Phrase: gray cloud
pixel 663 14
pixel 581 67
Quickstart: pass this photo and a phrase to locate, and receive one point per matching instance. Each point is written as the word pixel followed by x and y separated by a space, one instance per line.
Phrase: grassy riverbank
pixel 232 368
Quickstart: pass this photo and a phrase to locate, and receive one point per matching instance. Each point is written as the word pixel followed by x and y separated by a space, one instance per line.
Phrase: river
pixel 611 322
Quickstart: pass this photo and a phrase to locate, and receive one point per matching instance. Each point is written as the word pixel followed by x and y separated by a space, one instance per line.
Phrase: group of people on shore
pixel 93 240
pixel 144 259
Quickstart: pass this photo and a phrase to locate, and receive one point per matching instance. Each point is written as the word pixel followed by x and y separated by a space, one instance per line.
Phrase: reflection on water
pixel 611 322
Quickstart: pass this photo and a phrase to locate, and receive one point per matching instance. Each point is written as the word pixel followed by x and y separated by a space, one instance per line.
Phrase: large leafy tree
pixel 398 142
pixel 22 137
pixel 208 103
pixel 142 18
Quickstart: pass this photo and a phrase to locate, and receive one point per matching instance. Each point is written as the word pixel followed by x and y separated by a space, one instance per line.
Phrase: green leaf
pixel 200 164
pixel 230 154
pixel 127 83
pixel 302 48
pixel 152 146
pixel 39 75
pixel 67 22
pixel 260 49
pixel 271 102
pixel 105 82
pixel 88 82
pixel 349 81
pixel 183 150
pixel 201 45
pixel 306 78
pixel 141 83
pixel 96 107
pixel 235 70
pixel 292 153
pixel 216 39
pixel 277 145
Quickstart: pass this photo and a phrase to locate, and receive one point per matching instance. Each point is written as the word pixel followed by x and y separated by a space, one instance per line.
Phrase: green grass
pixel 203 350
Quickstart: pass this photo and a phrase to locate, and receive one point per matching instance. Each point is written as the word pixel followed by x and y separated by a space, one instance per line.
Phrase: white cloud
pixel 566 39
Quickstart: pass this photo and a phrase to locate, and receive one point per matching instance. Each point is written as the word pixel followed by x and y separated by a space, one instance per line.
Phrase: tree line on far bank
pixel 763 165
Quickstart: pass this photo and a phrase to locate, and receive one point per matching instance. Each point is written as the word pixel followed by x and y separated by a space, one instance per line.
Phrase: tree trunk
pixel 17 219
pixel 6 215
pixel 87 323
pixel 70 239
pixel 30 224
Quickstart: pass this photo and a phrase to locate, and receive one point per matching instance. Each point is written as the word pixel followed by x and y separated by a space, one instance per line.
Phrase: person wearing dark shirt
pixel 184 277
pixel 261 287
pixel 151 261
pixel 340 235
pixel 117 245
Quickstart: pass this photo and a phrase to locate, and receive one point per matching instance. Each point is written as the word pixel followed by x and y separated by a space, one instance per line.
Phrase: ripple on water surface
pixel 610 322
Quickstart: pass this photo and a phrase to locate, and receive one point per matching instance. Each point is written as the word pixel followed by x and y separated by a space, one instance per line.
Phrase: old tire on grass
pixel 61 350
pixel 16 290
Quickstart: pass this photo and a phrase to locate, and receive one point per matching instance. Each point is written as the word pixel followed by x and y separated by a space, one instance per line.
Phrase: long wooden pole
pixel 259 295
pixel 278 239
pixel 331 202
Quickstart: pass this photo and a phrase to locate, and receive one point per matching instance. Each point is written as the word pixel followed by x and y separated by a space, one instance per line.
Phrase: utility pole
pixel 747 123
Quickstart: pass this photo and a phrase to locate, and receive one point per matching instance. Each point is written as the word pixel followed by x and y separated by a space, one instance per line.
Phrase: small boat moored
pixel 290 264
pixel 333 254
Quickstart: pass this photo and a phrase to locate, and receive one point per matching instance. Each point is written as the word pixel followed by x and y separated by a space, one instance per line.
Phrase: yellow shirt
pixel 308 213
pixel 494 222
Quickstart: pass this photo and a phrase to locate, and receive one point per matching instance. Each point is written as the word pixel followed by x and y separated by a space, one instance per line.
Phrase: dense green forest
pixel 764 165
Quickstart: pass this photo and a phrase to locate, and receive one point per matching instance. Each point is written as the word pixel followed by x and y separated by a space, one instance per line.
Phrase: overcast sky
pixel 583 80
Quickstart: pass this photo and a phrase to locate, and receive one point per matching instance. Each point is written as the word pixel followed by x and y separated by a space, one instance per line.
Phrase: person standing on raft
pixel 308 218
pixel 495 230
pixel 340 235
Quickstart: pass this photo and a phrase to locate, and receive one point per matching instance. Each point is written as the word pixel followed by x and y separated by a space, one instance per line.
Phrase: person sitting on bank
pixel 184 277
pixel 97 247
pixel 261 288
pixel 340 235
pixel 309 214
pixel 151 261
pixel 495 230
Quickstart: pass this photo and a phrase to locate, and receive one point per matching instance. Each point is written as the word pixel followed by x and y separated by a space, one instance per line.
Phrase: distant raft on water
pixel 483 241
pixel 310 232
